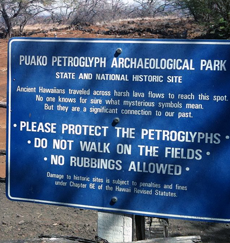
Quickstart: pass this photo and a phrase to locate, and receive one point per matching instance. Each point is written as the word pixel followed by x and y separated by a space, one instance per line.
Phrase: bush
pixel 214 14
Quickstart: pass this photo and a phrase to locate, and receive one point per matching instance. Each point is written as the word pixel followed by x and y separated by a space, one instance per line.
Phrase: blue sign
pixel 130 126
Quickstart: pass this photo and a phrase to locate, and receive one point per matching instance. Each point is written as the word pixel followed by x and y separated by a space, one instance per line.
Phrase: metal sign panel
pixel 132 126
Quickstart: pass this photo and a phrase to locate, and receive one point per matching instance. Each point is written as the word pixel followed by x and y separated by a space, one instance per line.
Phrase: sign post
pixel 115 227
pixel 126 126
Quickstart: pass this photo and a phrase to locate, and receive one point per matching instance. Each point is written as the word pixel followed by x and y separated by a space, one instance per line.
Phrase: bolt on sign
pixel 129 126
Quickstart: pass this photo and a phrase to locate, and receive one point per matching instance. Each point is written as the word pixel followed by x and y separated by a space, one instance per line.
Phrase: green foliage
pixel 214 14
pixel 220 30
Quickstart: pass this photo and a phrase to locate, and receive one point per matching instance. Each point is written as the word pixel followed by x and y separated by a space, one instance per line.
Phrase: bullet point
pixel 45 159
pixel 208 153
pixel 15 125
pixel 187 169
pixel 29 142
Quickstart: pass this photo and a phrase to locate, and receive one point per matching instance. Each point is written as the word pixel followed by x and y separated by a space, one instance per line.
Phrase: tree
pixel 19 11
pixel 214 14
pixel 149 8
pixel 92 11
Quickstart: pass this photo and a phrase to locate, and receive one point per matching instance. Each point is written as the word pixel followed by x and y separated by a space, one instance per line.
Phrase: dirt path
pixel 20 220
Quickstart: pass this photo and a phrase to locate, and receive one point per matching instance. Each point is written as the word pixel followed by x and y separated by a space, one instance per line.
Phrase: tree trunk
pixel 7 20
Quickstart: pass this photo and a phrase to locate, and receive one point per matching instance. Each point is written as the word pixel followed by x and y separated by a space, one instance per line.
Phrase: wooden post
pixel 115 227
pixel 140 227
